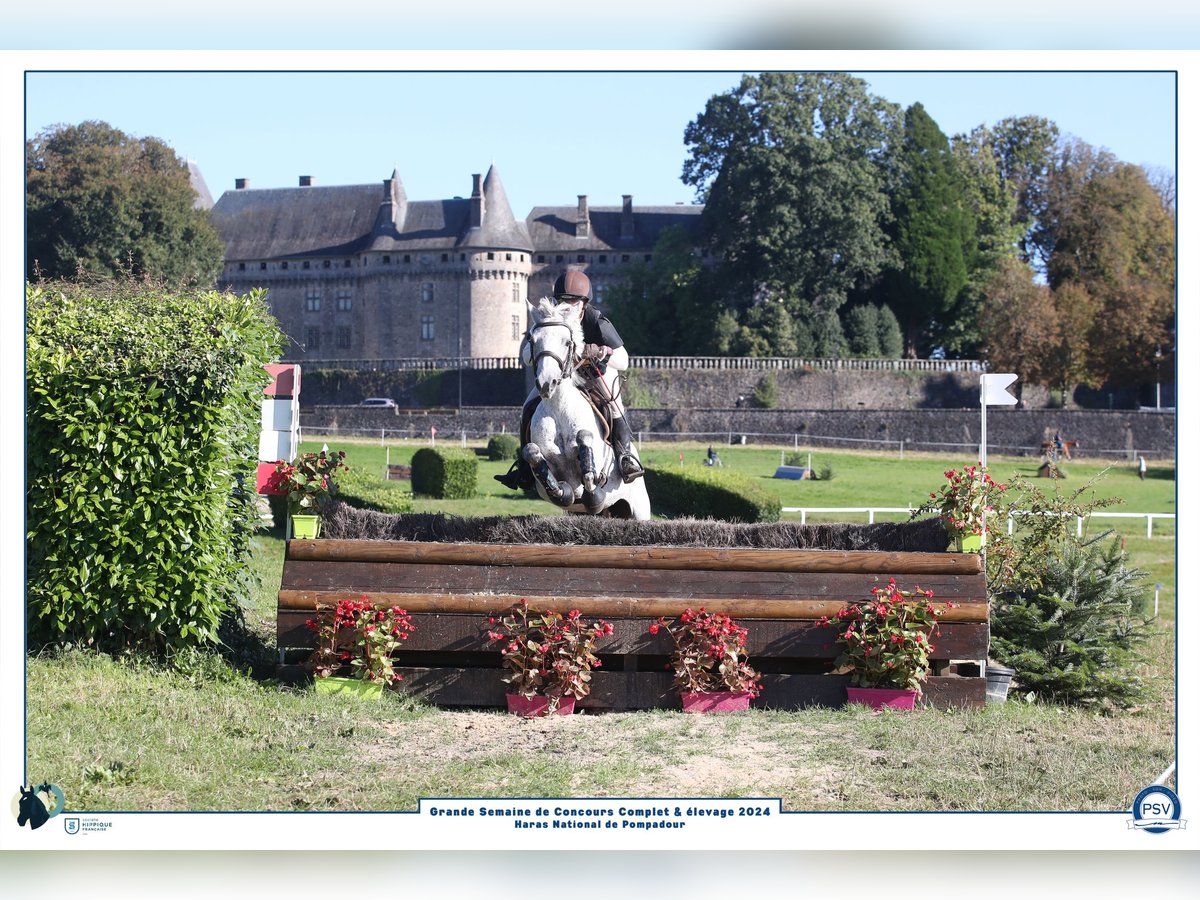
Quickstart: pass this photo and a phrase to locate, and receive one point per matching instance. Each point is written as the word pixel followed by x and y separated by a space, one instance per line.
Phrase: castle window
pixel 312 300
pixel 598 290
pixel 341 338
pixel 283 265
pixel 647 257
pixel 445 257
pixel 603 257
pixel 427 328
pixel 508 257
pixel 624 257
pixel 407 258
pixel 580 258
pixel 325 264
pixel 541 257
pixel 558 258
pixel 307 265
pixel 262 266
pixel 312 338
pixel 522 257
pixel 427 292
pixel 491 255
pixel 346 264
pixel 516 328
pixel 387 260
pixel 241 267
pixel 344 300
pixel 462 257
pixel 516 292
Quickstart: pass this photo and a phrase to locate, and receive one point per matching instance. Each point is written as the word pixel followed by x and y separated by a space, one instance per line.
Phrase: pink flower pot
pixel 715 701
pixel 532 707
pixel 882 698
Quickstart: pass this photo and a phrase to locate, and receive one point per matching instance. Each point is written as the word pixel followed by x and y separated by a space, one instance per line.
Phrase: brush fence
pixel 451 589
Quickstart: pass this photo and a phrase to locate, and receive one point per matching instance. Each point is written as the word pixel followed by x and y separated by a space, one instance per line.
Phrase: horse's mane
pixel 557 312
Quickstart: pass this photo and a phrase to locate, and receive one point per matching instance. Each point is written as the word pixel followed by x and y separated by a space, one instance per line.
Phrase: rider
pixel 604 348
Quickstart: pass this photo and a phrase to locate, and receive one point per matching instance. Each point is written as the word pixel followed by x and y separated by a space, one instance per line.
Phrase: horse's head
pixel 555 338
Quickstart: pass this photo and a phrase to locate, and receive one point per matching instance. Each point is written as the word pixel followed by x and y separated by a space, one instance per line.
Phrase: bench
pixel 779 595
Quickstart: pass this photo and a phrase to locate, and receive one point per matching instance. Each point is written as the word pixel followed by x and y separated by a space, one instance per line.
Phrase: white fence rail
pixel 872 510
pixel 750 363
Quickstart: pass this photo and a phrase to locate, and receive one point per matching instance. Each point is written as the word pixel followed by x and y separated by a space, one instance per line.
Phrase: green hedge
pixel 448 474
pixel 503 447
pixel 366 490
pixel 143 409
pixel 710 493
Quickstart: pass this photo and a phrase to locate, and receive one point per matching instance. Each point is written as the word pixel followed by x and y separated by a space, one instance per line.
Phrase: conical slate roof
pixel 499 228
pixel 314 221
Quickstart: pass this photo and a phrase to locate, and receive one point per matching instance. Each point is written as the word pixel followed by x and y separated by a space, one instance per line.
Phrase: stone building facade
pixel 358 272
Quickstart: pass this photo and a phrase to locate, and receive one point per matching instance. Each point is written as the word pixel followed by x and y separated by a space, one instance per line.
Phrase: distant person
pixel 1142 467
pixel 714 458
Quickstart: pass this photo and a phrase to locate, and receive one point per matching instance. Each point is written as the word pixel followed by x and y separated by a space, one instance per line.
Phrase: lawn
pixel 129 735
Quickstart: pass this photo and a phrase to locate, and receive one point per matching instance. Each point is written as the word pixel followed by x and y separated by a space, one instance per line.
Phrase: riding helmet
pixel 573 283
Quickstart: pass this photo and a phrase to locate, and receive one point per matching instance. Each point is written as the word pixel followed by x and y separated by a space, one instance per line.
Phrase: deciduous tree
pixel 791 167
pixel 104 203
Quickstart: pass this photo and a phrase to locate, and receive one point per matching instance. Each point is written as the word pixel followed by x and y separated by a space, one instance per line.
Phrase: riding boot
pixel 630 468
pixel 519 476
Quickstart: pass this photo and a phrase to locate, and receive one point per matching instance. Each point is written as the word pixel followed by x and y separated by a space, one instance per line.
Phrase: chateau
pixel 363 272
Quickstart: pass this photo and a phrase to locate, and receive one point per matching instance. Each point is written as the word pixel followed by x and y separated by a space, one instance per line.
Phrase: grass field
pixel 129 735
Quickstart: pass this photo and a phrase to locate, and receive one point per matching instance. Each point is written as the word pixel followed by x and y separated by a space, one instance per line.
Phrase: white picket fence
pixel 804 512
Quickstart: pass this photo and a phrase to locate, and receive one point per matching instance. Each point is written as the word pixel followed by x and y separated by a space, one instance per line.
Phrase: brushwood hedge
pixel 448 473
pixel 710 493
pixel 143 413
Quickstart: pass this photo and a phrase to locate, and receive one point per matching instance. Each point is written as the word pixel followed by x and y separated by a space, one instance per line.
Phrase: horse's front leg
pixel 555 489
pixel 585 445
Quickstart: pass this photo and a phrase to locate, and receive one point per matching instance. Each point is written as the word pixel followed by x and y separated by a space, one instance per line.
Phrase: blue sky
pixel 552 135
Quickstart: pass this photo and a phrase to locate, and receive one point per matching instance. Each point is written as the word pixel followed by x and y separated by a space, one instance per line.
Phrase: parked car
pixel 379 402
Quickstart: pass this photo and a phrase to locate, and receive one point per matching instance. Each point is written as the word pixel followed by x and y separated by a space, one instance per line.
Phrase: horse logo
pixel 36 805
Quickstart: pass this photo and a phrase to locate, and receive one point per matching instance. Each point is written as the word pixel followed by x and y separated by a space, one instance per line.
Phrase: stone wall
pixel 1101 434
pixel 705 389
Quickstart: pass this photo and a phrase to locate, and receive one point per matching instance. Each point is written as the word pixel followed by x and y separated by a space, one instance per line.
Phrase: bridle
pixel 567 365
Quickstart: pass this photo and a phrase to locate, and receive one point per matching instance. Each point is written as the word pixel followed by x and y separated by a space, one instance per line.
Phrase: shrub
pixel 1072 637
pixel 143 409
pixel 362 489
pixel 449 473
pixel 503 447
pixel 766 393
pixel 710 493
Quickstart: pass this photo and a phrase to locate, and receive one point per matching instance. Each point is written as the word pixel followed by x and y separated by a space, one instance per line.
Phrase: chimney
pixel 476 201
pixel 627 216
pixel 582 227
pixel 241 184
pixel 306 181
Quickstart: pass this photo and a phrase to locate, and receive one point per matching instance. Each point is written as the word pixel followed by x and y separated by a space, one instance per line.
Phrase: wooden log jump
pixel 779 595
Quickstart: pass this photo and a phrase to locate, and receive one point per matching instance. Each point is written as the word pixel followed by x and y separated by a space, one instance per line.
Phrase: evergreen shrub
pixel 143 416
pixel 503 447
pixel 448 474
pixel 1073 636
pixel 704 493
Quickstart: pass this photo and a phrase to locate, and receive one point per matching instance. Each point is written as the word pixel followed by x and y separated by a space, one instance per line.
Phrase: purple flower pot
pixel 882 698
pixel 715 701
pixel 532 707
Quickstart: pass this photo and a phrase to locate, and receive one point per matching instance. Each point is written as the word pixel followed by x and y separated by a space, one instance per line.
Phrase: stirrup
pixel 631 469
